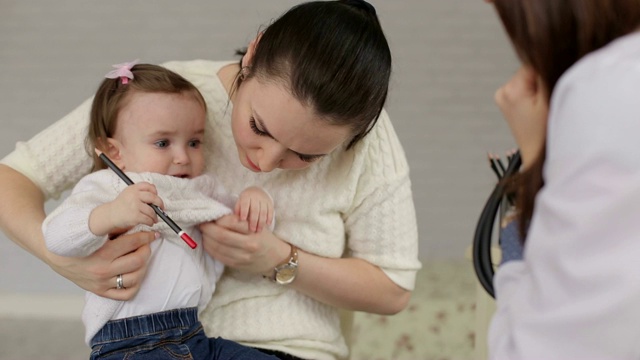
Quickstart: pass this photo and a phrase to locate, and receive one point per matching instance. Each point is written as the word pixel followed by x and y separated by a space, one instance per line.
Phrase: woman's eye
pixel 252 124
pixel 162 143
pixel 309 158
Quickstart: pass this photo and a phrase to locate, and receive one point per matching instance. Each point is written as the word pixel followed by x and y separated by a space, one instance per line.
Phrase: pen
pixel 183 235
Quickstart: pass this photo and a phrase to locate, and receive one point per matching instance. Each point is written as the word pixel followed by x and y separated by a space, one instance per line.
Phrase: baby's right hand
pixel 132 208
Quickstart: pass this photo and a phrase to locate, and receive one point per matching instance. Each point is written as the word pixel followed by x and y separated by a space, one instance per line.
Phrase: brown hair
pixel 331 55
pixel 112 96
pixel 551 36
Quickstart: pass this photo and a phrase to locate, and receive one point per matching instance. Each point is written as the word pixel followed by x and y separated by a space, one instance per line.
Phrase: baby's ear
pixel 111 147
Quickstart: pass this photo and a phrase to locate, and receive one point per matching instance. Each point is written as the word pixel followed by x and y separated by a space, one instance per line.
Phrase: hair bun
pixel 361 4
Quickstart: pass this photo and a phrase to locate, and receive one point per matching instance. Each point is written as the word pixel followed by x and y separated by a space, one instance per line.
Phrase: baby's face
pixel 161 133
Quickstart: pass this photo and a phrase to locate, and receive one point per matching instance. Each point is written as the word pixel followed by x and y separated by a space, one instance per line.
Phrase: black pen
pixel 183 235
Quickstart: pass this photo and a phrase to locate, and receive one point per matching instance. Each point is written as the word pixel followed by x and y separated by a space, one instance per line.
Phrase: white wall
pixel 450 56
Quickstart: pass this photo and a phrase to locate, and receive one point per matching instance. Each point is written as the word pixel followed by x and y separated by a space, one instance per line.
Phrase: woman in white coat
pixel 574 109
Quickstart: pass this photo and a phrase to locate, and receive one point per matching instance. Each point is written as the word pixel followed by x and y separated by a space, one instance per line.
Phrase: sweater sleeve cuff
pixel 406 279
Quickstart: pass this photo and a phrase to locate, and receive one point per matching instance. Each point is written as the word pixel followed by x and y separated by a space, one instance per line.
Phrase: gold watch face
pixel 286 273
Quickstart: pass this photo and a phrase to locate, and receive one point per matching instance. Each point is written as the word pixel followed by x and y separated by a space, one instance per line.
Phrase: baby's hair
pixel 112 96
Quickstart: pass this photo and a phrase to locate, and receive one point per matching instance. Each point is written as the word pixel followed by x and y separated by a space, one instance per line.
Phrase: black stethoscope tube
pixel 481 253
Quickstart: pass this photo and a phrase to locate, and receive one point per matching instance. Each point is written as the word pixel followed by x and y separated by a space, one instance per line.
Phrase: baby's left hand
pixel 256 207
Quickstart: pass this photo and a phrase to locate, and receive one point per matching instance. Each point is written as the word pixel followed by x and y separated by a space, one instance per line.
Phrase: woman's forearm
pixel 346 283
pixel 21 217
pixel 22 211
pixel 349 283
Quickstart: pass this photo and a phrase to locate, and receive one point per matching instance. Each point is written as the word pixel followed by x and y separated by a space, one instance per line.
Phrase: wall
pixel 450 56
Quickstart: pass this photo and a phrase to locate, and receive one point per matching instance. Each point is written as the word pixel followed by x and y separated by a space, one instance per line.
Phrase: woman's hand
pixel 523 102
pixel 230 241
pixel 126 255
pixel 345 283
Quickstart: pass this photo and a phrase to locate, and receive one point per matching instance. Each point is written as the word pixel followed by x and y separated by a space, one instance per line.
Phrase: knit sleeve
pixel 213 188
pixel 55 158
pixel 382 226
pixel 66 230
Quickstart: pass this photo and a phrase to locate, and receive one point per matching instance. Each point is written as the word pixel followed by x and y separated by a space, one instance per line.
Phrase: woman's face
pixel 274 130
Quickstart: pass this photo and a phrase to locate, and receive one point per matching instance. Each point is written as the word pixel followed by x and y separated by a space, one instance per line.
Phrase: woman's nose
pixel 271 157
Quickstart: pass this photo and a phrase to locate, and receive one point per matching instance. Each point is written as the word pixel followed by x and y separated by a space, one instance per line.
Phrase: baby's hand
pixel 132 208
pixel 256 207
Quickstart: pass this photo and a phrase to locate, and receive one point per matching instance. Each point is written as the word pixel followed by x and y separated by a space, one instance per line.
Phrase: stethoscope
pixel 482 240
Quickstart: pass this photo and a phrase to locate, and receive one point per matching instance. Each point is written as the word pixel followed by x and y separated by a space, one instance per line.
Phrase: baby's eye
pixel 195 143
pixel 162 143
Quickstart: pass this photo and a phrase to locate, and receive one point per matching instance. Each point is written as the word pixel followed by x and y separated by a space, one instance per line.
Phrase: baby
pixel 151 123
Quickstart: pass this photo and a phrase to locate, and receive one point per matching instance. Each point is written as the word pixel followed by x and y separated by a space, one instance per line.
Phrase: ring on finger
pixel 119 282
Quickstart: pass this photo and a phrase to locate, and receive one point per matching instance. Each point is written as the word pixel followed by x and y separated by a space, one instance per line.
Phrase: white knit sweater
pixel 178 276
pixel 355 203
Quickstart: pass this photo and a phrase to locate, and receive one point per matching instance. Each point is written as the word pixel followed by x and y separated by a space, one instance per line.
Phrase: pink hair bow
pixel 122 71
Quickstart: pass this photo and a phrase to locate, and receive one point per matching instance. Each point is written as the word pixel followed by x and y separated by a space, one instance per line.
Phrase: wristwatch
pixel 286 272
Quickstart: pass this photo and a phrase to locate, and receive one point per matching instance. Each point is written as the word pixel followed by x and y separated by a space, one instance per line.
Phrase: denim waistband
pixel 121 329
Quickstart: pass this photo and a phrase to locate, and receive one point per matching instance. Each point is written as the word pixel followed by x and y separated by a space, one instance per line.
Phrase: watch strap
pixel 292 260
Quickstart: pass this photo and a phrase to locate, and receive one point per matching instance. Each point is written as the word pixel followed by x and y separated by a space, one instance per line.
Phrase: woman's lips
pixel 252 165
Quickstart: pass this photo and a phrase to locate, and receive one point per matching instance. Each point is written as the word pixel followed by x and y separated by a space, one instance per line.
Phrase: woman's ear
pixel 247 59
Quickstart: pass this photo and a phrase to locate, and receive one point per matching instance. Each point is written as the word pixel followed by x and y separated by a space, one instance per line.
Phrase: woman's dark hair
pixel 112 95
pixel 551 36
pixel 333 56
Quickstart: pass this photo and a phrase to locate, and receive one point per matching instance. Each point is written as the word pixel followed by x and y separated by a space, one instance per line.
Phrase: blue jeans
pixel 173 334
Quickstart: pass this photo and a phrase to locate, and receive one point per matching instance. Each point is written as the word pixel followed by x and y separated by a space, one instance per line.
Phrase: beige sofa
pixel 439 323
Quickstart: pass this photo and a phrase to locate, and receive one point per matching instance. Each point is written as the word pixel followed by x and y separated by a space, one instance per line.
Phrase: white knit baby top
pixel 177 276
